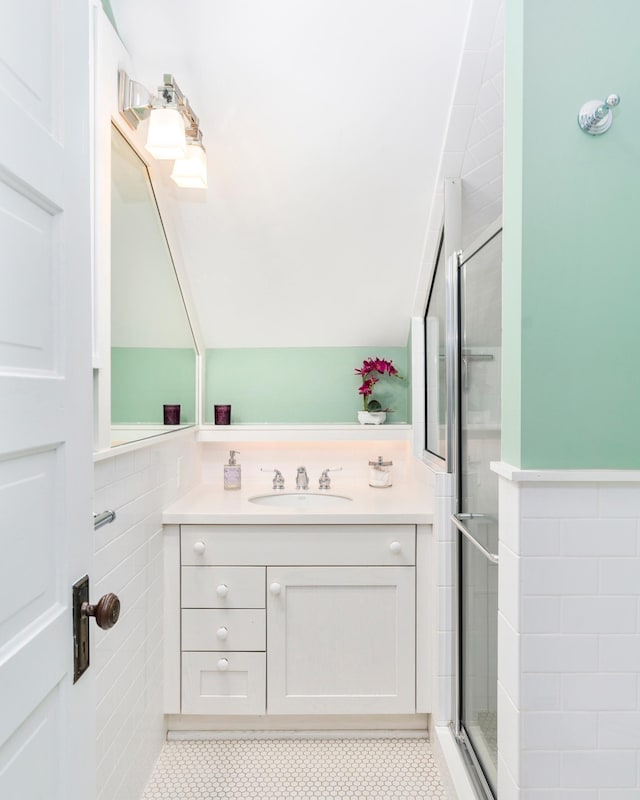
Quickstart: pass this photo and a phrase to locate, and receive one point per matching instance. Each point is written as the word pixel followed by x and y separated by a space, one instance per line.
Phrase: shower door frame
pixel 454 262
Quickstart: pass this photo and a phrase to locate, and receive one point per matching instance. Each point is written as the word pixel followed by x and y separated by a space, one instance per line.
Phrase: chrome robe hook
pixel 595 116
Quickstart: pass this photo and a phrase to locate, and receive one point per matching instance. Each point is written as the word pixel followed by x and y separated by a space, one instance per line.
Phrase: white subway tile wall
pixel 569 670
pixel 127 659
pixel 443 536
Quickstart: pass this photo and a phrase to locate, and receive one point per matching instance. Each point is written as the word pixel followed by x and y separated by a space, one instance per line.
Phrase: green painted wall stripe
pixel 299 385
pixel 143 379
pixel 106 5
pixel 512 238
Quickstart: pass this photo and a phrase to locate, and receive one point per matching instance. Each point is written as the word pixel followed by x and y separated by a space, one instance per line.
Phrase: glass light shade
pixel 191 172
pixel 166 137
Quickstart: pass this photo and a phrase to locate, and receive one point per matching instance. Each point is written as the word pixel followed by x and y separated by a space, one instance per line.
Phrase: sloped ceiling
pixel 324 123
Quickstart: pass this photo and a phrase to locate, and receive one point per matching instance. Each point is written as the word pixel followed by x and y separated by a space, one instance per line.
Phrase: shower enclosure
pixel 480 326
pixel 474 298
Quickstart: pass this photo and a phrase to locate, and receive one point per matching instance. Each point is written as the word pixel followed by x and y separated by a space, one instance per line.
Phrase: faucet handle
pixel 302 479
pixel 325 481
pixel 278 478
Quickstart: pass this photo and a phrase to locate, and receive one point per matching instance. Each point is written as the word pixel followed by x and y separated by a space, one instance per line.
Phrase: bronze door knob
pixel 106 611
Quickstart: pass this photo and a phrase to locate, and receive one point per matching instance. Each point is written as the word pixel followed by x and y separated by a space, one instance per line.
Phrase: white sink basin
pixel 302 500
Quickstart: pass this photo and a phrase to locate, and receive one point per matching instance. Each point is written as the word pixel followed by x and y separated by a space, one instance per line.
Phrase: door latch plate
pixel 80 628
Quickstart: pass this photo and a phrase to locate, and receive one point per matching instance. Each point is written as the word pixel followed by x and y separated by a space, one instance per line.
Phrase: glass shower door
pixel 479 358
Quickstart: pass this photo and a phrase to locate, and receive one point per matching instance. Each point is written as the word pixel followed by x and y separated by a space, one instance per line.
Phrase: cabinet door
pixel 341 640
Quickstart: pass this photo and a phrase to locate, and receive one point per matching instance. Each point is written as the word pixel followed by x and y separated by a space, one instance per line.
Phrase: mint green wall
pixel 143 379
pixel 571 389
pixel 299 384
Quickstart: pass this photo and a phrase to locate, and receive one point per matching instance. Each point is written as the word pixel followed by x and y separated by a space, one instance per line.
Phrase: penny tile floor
pixel 312 769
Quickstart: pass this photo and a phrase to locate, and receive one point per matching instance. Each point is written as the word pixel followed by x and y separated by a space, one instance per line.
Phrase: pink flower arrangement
pixel 369 366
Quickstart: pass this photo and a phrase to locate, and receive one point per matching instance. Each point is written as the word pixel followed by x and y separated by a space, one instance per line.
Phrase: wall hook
pixel 595 116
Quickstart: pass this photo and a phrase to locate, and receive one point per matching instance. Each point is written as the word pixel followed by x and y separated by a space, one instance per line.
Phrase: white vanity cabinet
pixel 294 619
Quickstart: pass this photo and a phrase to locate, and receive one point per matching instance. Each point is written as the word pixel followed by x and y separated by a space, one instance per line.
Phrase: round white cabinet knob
pixel 395 547
pixel 222 590
pixel 198 548
pixel 223 664
pixel 222 633
pixel 275 588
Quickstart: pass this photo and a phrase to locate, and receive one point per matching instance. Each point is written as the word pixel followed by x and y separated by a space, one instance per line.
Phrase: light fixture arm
pixel 169 95
pixel 136 102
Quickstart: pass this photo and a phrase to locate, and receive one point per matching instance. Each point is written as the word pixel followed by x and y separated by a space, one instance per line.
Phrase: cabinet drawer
pixel 223 683
pixel 223 587
pixel 298 545
pixel 223 629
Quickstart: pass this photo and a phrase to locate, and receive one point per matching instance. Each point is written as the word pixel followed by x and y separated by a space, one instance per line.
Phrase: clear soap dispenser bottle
pixel 232 472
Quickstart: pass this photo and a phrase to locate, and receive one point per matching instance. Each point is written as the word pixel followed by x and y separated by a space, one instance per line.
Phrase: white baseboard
pixel 295 734
pixel 398 725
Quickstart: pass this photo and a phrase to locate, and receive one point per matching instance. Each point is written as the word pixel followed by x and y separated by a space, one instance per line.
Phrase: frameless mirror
pixel 153 353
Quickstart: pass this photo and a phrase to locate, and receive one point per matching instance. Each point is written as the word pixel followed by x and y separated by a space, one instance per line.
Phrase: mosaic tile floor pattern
pixel 312 769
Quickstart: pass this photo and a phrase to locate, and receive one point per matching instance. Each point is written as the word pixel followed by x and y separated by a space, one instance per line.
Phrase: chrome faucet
pixel 324 481
pixel 302 479
pixel 278 479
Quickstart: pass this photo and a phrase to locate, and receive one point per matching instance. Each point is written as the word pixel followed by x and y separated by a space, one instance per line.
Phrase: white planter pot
pixel 371 417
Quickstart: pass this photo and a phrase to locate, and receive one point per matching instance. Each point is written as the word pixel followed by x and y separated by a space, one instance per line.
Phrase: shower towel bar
pixel 457 521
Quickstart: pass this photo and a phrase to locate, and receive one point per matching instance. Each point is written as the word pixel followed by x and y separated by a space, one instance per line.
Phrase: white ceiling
pixel 325 125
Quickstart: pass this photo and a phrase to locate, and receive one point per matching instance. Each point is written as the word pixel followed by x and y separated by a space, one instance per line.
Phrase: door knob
pixel 106 611
pixel 275 588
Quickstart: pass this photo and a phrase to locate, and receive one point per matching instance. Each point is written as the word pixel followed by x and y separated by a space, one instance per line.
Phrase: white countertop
pixel 408 501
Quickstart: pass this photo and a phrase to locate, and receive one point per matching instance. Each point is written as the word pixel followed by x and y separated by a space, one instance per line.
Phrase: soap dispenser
pixel 232 473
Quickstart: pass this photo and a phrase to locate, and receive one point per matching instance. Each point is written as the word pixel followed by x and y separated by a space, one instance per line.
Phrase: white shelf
pixel 303 433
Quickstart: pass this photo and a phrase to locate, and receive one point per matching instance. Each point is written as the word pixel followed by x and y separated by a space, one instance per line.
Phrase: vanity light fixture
pixel 174 130
pixel 191 172
pixel 166 139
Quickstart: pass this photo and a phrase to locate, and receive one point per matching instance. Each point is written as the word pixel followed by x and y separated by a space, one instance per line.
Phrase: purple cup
pixel 171 414
pixel 222 415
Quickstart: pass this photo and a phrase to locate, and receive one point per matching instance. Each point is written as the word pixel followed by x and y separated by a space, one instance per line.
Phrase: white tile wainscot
pixel 137 481
pixel 569 634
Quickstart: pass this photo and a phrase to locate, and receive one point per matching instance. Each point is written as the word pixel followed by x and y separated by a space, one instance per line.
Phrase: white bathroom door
pixel 46 722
